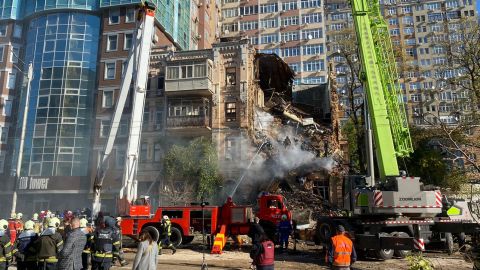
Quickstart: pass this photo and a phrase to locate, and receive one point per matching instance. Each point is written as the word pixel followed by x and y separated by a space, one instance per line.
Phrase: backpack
pixel 103 241
pixel 267 257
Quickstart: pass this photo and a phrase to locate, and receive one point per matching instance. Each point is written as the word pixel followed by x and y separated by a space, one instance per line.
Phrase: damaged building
pixel 243 102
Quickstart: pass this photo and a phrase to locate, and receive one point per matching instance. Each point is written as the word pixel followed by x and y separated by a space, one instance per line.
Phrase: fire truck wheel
pixel 384 254
pixel 176 237
pixel 449 243
pixel 400 253
pixel 153 232
pixel 187 240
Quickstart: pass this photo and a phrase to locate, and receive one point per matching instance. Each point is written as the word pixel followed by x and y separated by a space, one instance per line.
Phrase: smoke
pixel 281 148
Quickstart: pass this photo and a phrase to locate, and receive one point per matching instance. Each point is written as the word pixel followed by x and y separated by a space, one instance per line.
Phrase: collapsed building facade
pixel 242 101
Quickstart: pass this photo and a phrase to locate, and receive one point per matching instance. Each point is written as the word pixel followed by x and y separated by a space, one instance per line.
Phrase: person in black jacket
pixel 26 260
pixel 256 231
pixel 106 244
pixel 48 245
pixel 5 245
pixel 263 253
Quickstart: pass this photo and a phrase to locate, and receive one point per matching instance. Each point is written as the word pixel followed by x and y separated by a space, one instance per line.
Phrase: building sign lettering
pixel 33 183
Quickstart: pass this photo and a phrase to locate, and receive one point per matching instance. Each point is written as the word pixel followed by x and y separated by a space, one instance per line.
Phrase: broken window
pixel 231 111
pixel 231 76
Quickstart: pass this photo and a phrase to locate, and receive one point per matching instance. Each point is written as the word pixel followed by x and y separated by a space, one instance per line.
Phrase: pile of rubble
pixel 287 130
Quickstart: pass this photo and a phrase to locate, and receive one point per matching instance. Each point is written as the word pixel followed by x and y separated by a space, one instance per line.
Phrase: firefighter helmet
pixel 284 217
pixel 19 216
pixel 54 222
pixel 83 223
pixel 165 217
pixel 13 216
pixel 35 217
pixel 3 225
pixel 29 225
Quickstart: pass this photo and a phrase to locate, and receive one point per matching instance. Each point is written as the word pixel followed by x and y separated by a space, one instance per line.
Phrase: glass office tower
pixel 63 48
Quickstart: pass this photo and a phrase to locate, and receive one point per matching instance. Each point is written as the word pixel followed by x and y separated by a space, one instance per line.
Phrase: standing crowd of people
pixel 46 242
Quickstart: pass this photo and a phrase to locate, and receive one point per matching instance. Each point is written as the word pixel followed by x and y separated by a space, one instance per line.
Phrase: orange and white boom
pixel 138 66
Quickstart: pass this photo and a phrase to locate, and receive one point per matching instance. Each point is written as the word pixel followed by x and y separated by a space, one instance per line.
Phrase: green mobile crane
pixel 395 214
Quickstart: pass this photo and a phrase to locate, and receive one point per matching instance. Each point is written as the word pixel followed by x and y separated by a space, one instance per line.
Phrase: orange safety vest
pixel 342 249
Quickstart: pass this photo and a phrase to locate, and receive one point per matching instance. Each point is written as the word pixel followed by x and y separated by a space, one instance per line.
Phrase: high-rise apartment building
pixel 77 49
pixel 294 30
pixel 417 29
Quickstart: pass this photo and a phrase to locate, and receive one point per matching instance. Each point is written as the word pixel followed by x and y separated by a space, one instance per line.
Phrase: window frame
pixel 105 70
pixel 108 49
pixel 104 104
pixel 125 41
pixel 110 11
pixel 230 112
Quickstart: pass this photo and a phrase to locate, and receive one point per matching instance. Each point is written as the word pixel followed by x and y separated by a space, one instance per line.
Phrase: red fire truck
pixel 229 219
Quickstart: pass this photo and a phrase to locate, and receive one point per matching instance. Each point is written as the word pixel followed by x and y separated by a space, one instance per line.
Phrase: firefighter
pixel 165 235
pixel 87 249
pixel 24 256
pixel 341 253
pixel 37 225
pixel 284 231
pixel 19 221
pixel 5 245
pixel 119 256
pixel 105 244
pixel 48 245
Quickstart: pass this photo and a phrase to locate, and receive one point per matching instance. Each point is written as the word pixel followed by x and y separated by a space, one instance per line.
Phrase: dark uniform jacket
pixel 70 258
pixel 48 245
pixel 106 244
pixel 23 243
pixel 5 249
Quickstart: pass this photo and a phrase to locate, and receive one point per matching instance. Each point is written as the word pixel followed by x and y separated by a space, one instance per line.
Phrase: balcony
pixel 188 124
pixel 200 86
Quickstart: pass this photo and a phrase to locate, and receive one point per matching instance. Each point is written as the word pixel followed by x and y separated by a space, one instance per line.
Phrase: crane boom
pixel 137 64
pixel 389 122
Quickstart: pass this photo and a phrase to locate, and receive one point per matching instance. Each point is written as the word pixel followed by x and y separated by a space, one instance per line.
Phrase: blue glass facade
pixel 61 38
pixel 63 48
pixel 10 9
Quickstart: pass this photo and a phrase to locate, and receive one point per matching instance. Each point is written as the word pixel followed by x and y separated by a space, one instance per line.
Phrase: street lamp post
pixel 22 137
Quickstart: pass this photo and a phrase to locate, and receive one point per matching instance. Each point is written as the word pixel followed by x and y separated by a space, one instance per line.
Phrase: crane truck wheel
pixel 325 230
pixel 449 243
pixel 400 253
pixel 384 254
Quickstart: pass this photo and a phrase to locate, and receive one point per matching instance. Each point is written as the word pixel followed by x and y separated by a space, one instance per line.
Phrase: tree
pixel 454 125
pixel 192 169
pixel 428 161
pixel 348 67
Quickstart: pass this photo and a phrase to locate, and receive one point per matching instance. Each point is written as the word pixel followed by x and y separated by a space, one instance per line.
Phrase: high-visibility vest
pixel 342 250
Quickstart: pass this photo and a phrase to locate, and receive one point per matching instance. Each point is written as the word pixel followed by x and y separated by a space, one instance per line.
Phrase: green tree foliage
pixel 429 161
pixel 194 165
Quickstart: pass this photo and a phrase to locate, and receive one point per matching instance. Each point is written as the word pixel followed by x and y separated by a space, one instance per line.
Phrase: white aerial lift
pixel 138 66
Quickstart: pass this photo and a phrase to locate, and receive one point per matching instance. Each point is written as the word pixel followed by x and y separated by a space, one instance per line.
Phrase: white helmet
pixel 165 217
pixel 19 216
pixel 83 223
pixel 3 225
pixel 54 222
pixel 29 225
pixel 35 217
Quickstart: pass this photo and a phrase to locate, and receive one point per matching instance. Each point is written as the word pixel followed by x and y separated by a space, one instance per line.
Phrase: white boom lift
pixel 137 65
